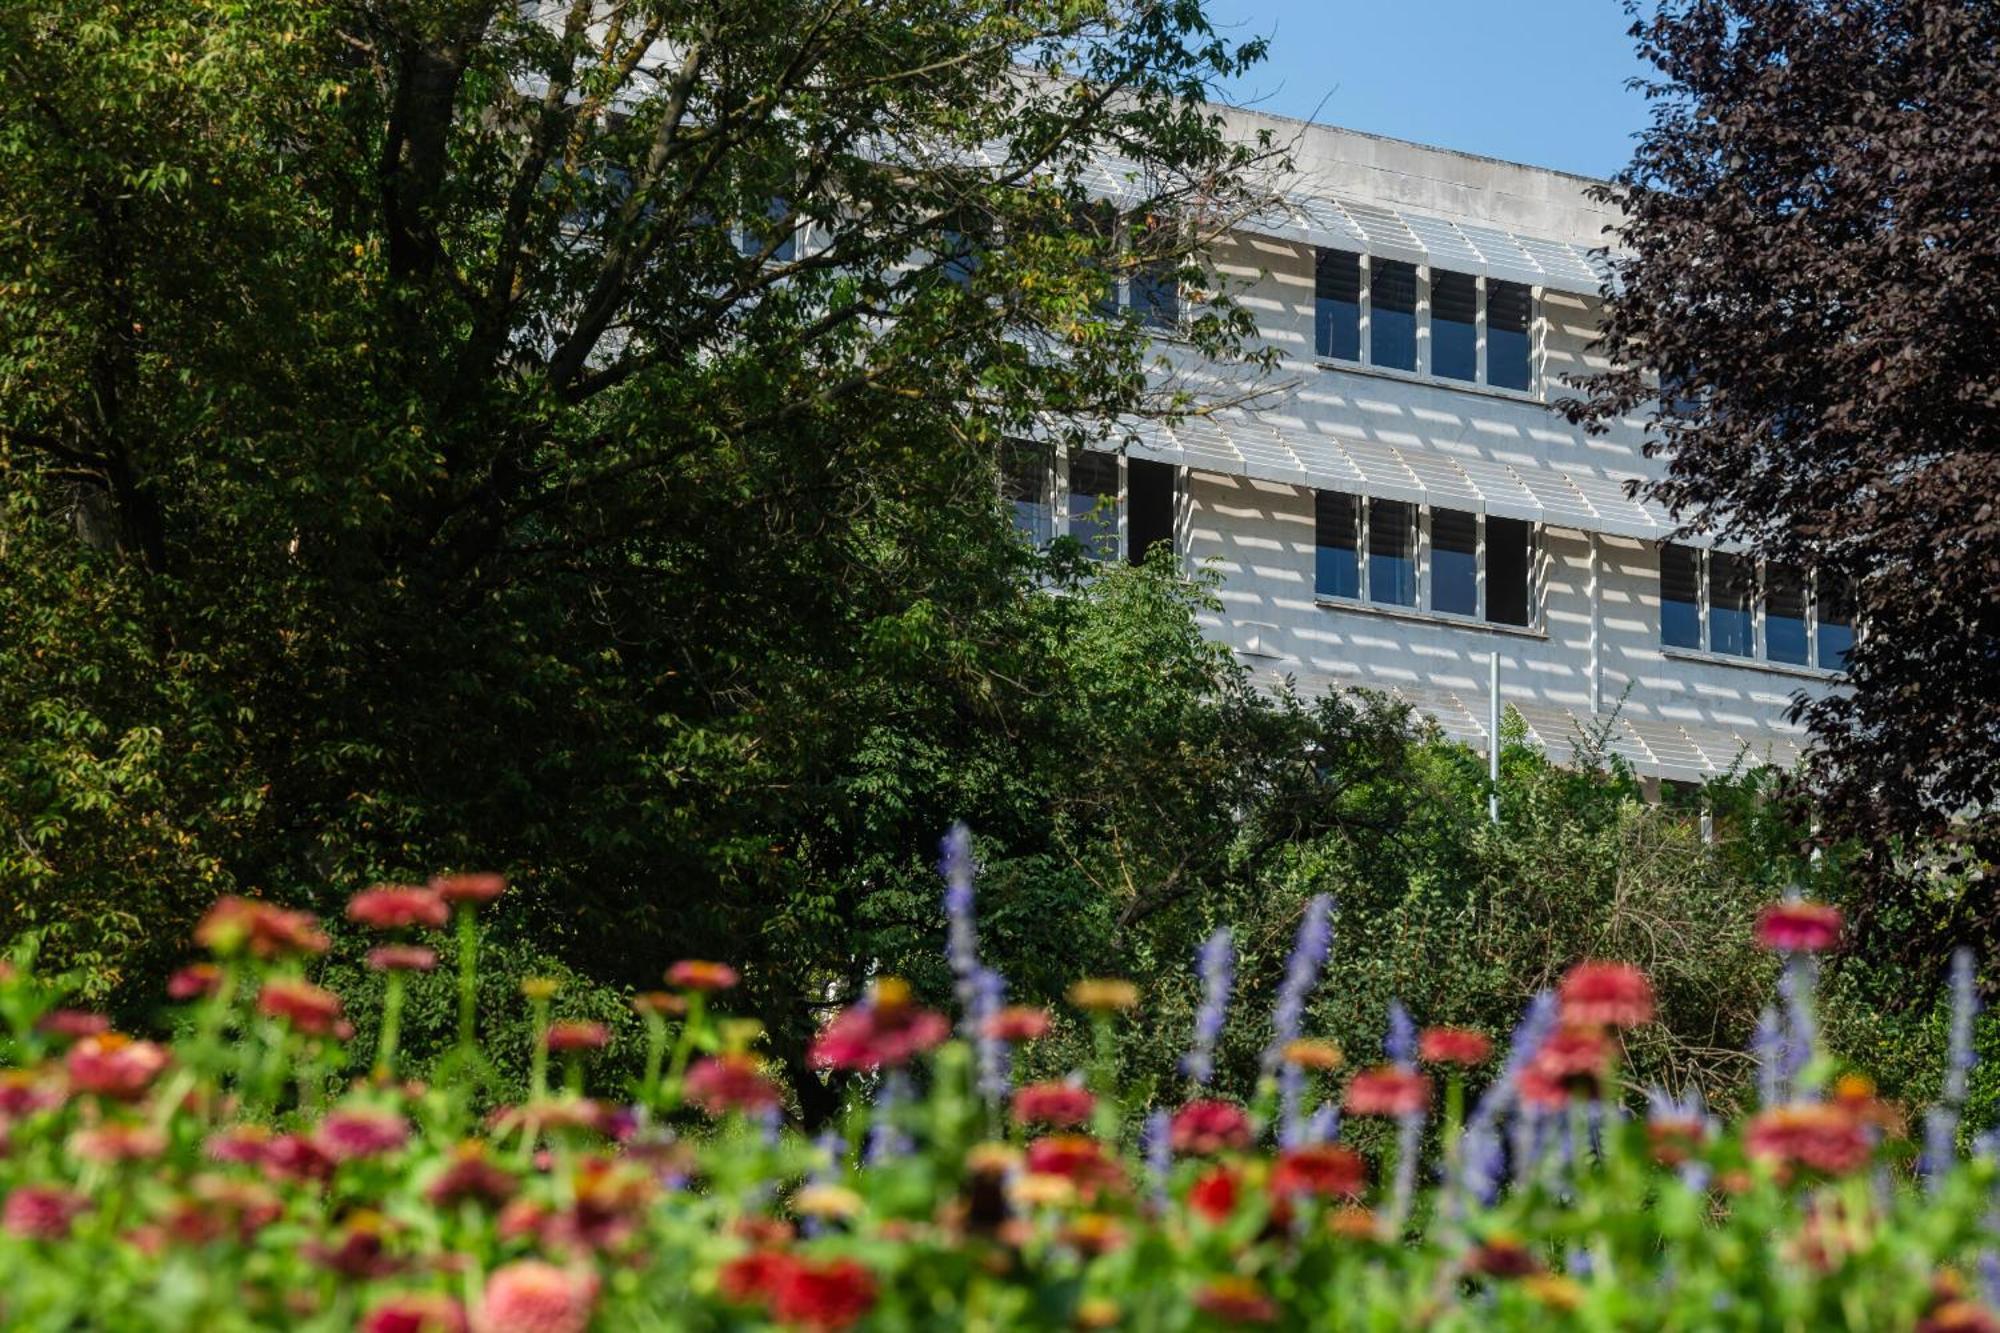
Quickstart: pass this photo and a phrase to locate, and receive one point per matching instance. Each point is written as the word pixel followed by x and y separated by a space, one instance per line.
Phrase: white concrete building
pixel 1405 502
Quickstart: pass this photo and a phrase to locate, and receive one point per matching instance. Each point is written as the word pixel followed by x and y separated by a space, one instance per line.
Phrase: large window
pixel 1337 305
pixel 1480 330
pixel 1336 544
pixel 1027 486
pixel 1156 294
pixel 1723 602
pixel 1085 496
pixel 1149 507
pixel 1455 326
pixel 1392 314
pixel 1093 503
pixel 1470 566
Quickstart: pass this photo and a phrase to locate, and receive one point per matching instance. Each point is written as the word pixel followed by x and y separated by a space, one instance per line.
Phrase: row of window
pixel 1447 561
pixel 1721 602
pixel 1108 503
pixel 1370 310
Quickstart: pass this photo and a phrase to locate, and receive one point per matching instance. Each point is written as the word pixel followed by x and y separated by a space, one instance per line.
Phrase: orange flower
pixel 475 888
pixel 305 1007
pixel 1057 1105
pixel 235 924
pixel 1236 1300
pixel 1018 1023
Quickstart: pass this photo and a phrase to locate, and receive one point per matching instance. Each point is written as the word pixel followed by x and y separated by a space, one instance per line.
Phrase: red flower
pixel 294 1157
pixel 1017 1023
pixel 752 1279
pixel 730 1082
pixel 1214 1196
pixel 1205 1126
pixel 305 1007
pixel 1502 1257
pixel 476 889
pixel 1612 995
pixel 25 1092
pixel 873 1036
pixel 1077 1158
pixel 414 1313
pixel 1321 1170
pixel 347 1135
pixel 1388 1090
pixel 1454 1046
pixel 73 1024
pixel 235 924
pixel 1822 1136
pixel 470 1176
pixel 113 1065
pixel 398 907
pixel 1236 1300
pixel 35 1213
pixel 1057 1105
pixel 118 1142
pixel 823 1296
pixel 574 1036
pixel 1798 927
pixel 359 1249
pixel 534 1296
pixel 1540 1091
pixel 241 1144
pixel 402 958
pixel 194 981
pixel 1674 1139
pixel 1572 1060
pixel 698 974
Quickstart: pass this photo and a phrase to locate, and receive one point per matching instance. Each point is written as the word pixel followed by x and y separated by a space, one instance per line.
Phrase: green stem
pixel 538 1061
pixel 468 975
pixel 392 1023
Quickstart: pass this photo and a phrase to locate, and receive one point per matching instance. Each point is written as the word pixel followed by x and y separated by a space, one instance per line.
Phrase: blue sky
pixel 1535 81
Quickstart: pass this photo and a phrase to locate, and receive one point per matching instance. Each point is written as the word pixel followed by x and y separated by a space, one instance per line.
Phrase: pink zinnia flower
pixel 1453 1046
pixel 235 924
pixel 114 1066
pixel 347 1135
pixel 1321 1170
pixel 1388 1090
pixel 1573 1059
pixel 831 1295
pixel 576 1036
pixel 194 981
pixel 1018 1023
pixel 294 1157
pixel 397 907
pixel 26 1092
pixel 1798 927
pixel 1077 1158
pixel 752 1279
pixel 414 1312
pixel 470 1176
pixel 729 1082
pixel 476 889
pixel 1206 1126
pixel 1236 1300
pixel 1821 1136
pixel 241 1144
pixel 402 958
pixel 118 1142
pixel 73 1024
pixel 874 1036
pixel 698 974
pixel 33 1212
pixel 533 1296
pixel 1057 1105
pixel 307 1008
pixel 1612 995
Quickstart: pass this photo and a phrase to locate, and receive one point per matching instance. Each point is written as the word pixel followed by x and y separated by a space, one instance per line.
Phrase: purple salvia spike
pixel 1302 969
pixel 961 932
pixel 1409 1145
pixel 1767 1047
pixel 1797 983
pixel 1400 1043
pixel 1216 963
pixel 995 1060
pixel 1291 1098
pixel 1324 1127
pixel 1157 1146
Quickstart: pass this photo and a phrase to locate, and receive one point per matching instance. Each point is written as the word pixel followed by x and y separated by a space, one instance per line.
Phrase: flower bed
pixel 225 1180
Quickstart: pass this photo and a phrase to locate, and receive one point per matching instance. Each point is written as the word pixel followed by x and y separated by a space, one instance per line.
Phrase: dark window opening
pixel 1156 294
pixel 1149 495
pixel 1336 545
pixel 1093 504
pixel 1732 591
pixel 1392 314
pixel 1454 562
pixel 1510 564
pixel 1455 325
pixel 1834 607
pixel 1785 616
pixel 1680 596
pixel 1392 552
pixel 1509 340
pixel 1337 305
pixel 1025 483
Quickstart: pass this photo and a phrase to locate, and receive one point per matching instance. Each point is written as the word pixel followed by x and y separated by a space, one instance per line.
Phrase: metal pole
pixel 1493 740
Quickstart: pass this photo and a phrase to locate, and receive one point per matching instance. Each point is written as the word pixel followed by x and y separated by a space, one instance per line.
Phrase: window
pixel 1510 571
pixel 752 237
pixel 1455 325
pixel 1156 294
pixel 1785 616
pixel 1337 305
pixel 1732 592
pixel 1510 310
pixel 1717 600
pixel 1027 481
pixel 1392 314
pixel 1680 596
pixel 1454 562
pixel 1392 552
pixel 1093 503
pixel 1149 496
pixel 1336 545
pixel 1836 623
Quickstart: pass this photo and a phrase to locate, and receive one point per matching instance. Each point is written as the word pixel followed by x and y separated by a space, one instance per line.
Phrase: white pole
pixel 1493 740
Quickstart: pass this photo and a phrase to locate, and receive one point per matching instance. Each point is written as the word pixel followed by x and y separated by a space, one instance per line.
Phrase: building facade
pixel 1401 500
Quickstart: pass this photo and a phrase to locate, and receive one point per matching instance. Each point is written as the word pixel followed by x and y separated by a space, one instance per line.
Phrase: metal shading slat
pixel 1325 457
pixel 1505 257
pixel 1383 472
pixel 1386 233
pixel 1261 445
pixel 1617 512
pixel 1501 488
pixel 1564 264
pixel 1562 503
pixel 1444 482
pixel 1444 245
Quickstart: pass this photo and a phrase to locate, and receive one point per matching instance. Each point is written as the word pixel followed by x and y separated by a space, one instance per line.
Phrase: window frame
pixel 1426 277
pixel 1057 494
pixel 1759 657
pixel 1424 606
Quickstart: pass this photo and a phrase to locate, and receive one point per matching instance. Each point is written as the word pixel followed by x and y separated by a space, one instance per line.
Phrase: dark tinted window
pixel 1454 325
pixel 1454 562
pixel 1336 545
pixel 1835 611
pixel 1732 590
pixel 1093 503
pixel 1156 294
pixel 1337 305
pixel 1392 552
pixel 1680 596
pixel 1024 485
pixel 1510 565
pixel 1510 310
pixel 1392 314
pixel 1149 495
pixel 1785 615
